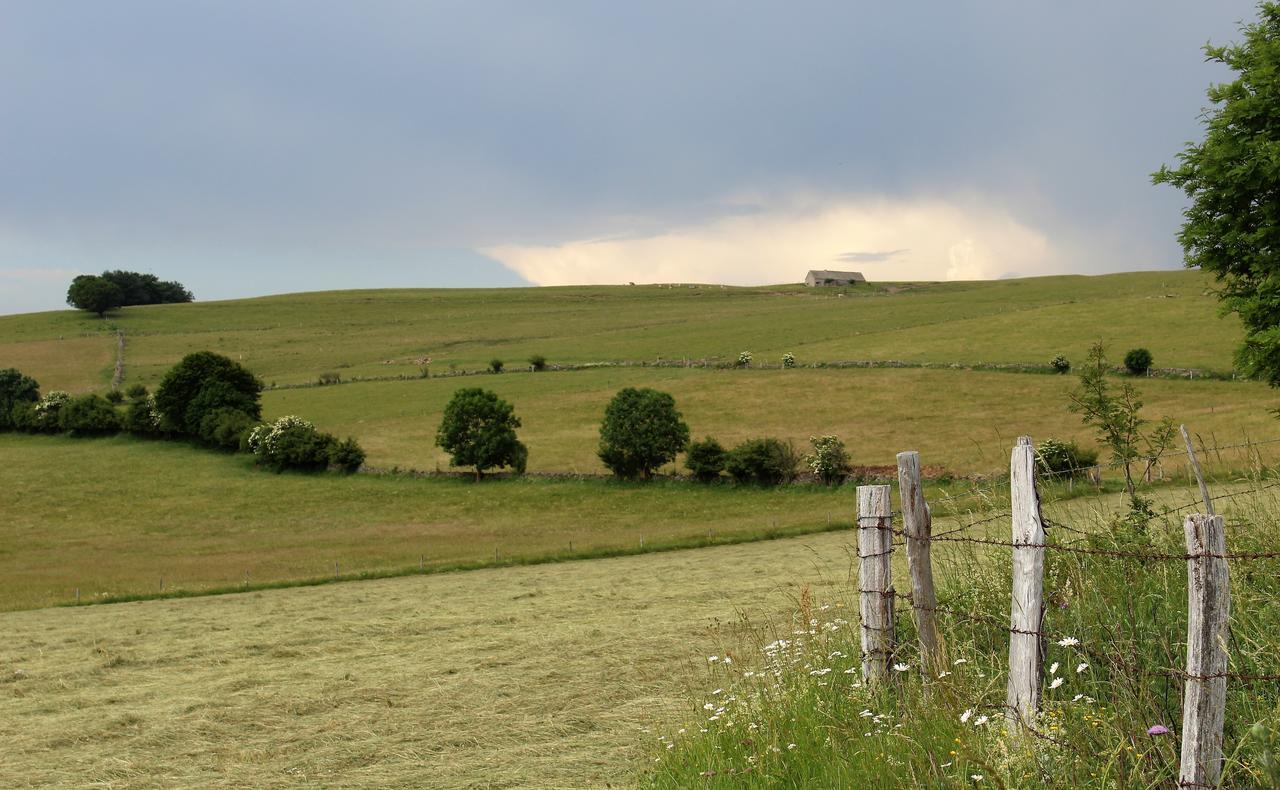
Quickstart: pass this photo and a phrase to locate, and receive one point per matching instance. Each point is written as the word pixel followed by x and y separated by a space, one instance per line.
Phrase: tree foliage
pixel 766 462
pixel 1115 415
pixel 706 459
pixel 640 432
pixel 201 383
pixel 94 294
pixel 15 388
pixel 479 430
pixel 1232 226
pixel 138 288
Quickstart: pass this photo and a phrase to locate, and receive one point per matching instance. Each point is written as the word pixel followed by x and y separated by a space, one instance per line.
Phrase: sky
pixel 248 148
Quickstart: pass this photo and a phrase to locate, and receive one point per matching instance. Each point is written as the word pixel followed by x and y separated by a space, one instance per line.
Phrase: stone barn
pixel 820 277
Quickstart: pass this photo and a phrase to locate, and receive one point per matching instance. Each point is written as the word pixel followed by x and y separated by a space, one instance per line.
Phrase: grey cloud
pixel 870 257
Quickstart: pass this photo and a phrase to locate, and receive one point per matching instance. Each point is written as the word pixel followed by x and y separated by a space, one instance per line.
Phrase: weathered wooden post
pixel 917 524
pixel 1204 699
pixel 1023 697
pixel 875 580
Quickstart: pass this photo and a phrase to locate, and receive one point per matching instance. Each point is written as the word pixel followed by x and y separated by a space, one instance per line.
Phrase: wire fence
pixel 1206 671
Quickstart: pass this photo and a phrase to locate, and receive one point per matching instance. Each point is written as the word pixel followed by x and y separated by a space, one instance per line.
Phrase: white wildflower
pixel 1053 669
pixel 1068 641
pixel 964 717
pixel 901 667
pixel 1056 682
pixel 1081 667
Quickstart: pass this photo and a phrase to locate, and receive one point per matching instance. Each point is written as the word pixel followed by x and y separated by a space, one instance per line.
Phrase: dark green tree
pixel 139 288
pixel 94 294
pixel 479 430
pixel 1232 227
pixel 641 431
pixel 706 459
pixel 201 383
pixel 15 388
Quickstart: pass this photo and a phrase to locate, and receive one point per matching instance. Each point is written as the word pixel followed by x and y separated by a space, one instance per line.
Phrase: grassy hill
pixel 962 420
pixel 294 338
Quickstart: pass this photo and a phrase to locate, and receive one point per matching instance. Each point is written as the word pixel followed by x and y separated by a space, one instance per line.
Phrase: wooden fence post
pixel 875 580
pixel 917 524
pixel 1027 610
pixel 1204 699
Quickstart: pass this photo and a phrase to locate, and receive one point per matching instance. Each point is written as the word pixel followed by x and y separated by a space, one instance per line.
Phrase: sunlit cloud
pixel 924 240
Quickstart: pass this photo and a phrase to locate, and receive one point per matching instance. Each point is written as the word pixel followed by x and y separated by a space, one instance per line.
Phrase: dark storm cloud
pixel 218 141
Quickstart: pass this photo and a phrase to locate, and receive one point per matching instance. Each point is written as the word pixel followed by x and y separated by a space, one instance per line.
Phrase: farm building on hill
pixel 819 277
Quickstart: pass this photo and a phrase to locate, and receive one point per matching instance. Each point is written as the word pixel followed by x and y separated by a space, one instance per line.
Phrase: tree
pixel 202 382
pixel 1115 416
pixel 1232 227
pixel 641 431
pixel 141 288
pixel 706 459
pixel 15 388
pixel 94 294
pixel 1137 361
pixel 479 430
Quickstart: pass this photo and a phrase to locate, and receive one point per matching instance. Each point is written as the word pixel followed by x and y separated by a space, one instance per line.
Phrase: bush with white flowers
pixel 744 359
pixel 829 460
pixel 788 360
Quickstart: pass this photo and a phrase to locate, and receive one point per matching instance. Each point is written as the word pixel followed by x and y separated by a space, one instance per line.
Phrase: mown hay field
pixel 557 675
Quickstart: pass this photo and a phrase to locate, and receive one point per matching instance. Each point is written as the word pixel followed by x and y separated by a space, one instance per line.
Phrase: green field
pixel 294 338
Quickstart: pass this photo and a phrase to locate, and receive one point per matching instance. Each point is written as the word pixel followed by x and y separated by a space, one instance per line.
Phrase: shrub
pixel 829 461
pixel 1060 459
pixel 744 359
pixel 22 417
pixel 143 418
pixel 788 360
pixel 479 430
pixel 15 388
pixel 203 382
pixel 291 443
pixel 44 414
pixel 538 362
pixel 705 459
pixel 767 462
pixel 1138 361
pixel 329 377
pixel 640 432
pixel 136 392
pixel 88 415
pixel 1060 364
pixel 226 427
pixel 495 365
pixel 346 455
pixel 114 397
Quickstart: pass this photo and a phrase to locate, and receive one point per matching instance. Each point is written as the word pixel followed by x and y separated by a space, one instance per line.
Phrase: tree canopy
pixel 1232 226
pixel 202 382
pixel 640 432
pixel 479 430
pixel 15 388
pixel 141 288
pixel 94 294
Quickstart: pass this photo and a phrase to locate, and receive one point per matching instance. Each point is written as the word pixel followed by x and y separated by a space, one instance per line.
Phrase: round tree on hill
pixel 94 294
pixel 201 383
pixel 641 431
pixel 479 430
pixel 1232 226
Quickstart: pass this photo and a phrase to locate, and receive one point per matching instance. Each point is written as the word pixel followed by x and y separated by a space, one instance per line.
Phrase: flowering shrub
pixel 788 360
pixel 829 461
pixel 291 443
pixel 44 415
pixel 744 359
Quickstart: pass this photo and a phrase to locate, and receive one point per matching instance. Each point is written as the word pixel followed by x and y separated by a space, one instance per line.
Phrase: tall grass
pixel 796 713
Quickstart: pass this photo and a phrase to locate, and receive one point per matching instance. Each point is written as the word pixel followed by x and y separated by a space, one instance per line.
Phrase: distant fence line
pixel 1205 674
pixel 723 363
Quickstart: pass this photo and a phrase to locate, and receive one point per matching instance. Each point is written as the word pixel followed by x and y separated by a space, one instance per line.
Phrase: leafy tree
pixel 94 295
pixel 15 388
pixel 1138 361
pixel 203 382
pixel 829 460
pixel 1232 227
pixel 641 431
pixel 146 288
pixel 479 430
pixel 1114 414
pixel 706 459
